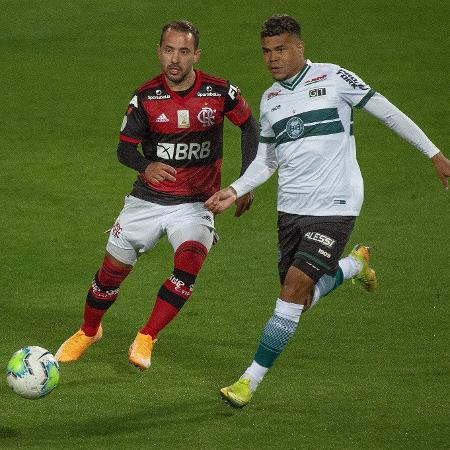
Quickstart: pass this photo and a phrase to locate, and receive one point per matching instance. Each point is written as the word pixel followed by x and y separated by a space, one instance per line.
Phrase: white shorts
pixel 141 224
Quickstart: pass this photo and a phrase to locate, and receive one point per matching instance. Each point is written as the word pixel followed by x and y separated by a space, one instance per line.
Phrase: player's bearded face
pixel 283 55
pixel 177 55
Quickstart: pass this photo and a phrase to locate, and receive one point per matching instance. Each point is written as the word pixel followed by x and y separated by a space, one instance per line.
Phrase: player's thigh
pixel 191 222
pixel 322 243
pixel 289 238
pixel 137 229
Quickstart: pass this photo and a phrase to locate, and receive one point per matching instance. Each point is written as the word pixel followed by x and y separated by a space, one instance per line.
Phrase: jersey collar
pixel 294 81
pixel 193 91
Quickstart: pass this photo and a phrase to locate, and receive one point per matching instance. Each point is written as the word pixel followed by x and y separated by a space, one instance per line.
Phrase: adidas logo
pixel 162 118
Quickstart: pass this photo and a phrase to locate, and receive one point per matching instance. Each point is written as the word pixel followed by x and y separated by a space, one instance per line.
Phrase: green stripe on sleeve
pixel 267 139
pixel 365 99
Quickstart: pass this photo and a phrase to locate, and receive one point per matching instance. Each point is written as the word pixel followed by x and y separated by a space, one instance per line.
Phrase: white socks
pixel 350 267
pixel 285 310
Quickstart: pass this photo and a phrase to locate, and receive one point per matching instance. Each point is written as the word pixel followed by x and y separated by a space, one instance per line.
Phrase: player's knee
pixel 297 287
pixel 190 256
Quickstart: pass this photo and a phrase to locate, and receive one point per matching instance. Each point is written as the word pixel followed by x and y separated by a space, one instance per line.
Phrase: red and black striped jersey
pixel 185 132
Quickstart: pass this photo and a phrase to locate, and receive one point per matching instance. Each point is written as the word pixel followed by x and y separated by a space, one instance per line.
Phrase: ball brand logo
pixel 180 151
pixel 206 116
pixel 295 127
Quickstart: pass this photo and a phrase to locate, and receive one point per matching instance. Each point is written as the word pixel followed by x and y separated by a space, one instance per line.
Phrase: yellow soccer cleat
pixel 140 352
pixel 366 275
pixel 238 394
pixel 75 346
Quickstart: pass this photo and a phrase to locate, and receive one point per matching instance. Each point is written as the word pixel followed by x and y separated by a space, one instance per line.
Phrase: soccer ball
pixel 32 372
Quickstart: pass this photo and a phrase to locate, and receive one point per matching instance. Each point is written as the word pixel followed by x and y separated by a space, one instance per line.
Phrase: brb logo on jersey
pixel 180 150
pixel 295 127
pixel 206 117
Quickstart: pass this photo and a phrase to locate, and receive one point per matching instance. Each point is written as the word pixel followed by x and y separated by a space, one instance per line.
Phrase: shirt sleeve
pixel 265 162
pixel 259 171
pixel 135 123
pixel 266 133
pixel 399 122
pixel 236 108
pixel 352 89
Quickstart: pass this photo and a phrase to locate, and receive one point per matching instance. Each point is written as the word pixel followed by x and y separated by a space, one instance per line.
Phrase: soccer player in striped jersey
pixel 178 119
pixel 307 134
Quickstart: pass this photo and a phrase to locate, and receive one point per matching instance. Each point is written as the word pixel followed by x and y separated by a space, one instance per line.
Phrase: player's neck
pixel 184 85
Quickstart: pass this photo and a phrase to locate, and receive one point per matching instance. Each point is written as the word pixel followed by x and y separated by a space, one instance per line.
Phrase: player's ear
pixel 197 54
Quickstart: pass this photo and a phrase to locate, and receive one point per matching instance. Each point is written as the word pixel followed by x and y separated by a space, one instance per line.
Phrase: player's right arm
pixel 134 129
pixel 258 172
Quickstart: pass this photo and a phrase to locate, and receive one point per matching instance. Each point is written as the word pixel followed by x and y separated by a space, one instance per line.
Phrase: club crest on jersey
pixel 295 127
pixel 183 118
pixel 206 116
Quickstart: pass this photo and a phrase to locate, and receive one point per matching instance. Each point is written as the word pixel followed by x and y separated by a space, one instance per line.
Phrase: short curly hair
pixel 280 23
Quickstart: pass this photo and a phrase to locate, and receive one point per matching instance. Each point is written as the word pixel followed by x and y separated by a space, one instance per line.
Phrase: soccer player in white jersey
pixel 306 133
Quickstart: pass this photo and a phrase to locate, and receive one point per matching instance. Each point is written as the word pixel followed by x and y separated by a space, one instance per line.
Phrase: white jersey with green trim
pixel 308 120
pixel 307 133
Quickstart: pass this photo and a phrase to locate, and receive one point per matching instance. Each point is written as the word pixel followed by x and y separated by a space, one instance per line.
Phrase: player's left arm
pixel 399 122
pixel 358 94
pixel 238 112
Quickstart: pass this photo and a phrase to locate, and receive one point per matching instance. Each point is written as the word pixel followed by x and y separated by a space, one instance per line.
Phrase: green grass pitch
pixel 363 371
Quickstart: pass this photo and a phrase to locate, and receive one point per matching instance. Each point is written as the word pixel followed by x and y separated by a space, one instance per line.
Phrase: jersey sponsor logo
pixel 295 127
pixel 159 95
pixel 181 151
pixel 183 118
pixel 206 116
pixel 352 80
pixel 209 92
pixel 317 92
pixel 233 92
pixel 322 238
pixel 315 79
pixel 162 118
pixel 273 94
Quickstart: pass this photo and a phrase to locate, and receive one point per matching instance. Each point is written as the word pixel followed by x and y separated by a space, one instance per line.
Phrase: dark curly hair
pixel 280 23
pixel 182 26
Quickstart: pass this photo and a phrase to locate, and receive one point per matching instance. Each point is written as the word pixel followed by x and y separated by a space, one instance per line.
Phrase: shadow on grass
pixel 137 423
pixel 7 432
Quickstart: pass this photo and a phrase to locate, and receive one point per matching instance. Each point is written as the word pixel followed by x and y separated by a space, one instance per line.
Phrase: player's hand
pixel 221 200
pixel 156 172
pixel 243 204
pixel 442 166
